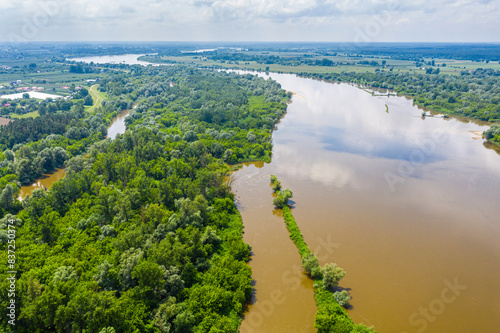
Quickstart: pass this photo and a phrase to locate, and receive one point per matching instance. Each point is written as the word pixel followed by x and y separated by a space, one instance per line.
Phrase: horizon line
pixel 253 41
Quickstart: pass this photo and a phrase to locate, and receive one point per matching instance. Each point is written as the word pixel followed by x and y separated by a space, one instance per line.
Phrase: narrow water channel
pixel 406 205
pixel 116 127
pixel 44 182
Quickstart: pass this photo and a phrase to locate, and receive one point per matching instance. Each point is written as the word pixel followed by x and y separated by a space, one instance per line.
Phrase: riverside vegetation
pixel 142 235
pixel 446 78
pixel 331 317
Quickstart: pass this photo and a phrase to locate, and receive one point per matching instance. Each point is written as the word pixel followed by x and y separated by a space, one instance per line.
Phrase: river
pixel 406 205
pixel 126 59
pixel 118 125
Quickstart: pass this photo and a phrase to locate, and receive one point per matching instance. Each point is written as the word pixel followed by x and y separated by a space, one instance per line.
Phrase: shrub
pixel 282 198
pixel 276 186
pixel 311 265
pixel 332 274
pixel 342 297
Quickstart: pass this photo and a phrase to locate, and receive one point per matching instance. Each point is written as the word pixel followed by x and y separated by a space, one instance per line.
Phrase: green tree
pixel 251 137
pixel 190 136
pixel 9 155
pixel 217 150
pixel 88 100
pixel 60 156
pixel 311 265
pixel 106 276
pixel 75 164
pixel 128 261
pixel 282 198
pixel 64 274
pixel 492 132
pixel 332 274
pixel 7 197
pixel 24 170
pixel 342 297
pixel 276 186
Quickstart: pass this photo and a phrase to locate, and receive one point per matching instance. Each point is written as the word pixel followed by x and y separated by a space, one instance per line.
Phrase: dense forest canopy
pixel 142 235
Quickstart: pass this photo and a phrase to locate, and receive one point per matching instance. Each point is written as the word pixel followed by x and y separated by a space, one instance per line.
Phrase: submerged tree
pixel 311 265
pixel 342 297
pixel 332 274
pixel 282 198
pixel 276 186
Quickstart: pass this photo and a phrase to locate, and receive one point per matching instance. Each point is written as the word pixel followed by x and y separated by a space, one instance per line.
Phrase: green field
pixel 97 96
pixel 33 114
pixel 344 63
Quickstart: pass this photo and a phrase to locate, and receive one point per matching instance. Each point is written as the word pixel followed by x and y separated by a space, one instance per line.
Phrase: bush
pixel 342 297
pixel 493 131
pixel 276 186
pixel 311 265
pixel 282 198
pixel 332 274
pixel 88 100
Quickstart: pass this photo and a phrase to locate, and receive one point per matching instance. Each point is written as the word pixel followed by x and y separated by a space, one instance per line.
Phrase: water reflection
pixel 118 125
pixel 128 59
pixel 439 221
pixel 492 146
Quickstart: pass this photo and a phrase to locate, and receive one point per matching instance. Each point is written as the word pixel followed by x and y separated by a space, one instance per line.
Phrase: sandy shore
pixel 477 133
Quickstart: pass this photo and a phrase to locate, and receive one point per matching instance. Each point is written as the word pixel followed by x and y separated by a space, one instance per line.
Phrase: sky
pixel 251 20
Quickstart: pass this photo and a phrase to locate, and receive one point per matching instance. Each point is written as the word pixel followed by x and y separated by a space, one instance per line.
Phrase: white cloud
pixel 6 4
pixel 334 20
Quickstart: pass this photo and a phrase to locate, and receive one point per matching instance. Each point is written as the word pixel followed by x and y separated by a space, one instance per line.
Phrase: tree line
pixel 331 317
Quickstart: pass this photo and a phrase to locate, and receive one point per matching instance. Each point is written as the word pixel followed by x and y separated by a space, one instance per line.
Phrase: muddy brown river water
pixel 44 182
pixel 408 206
